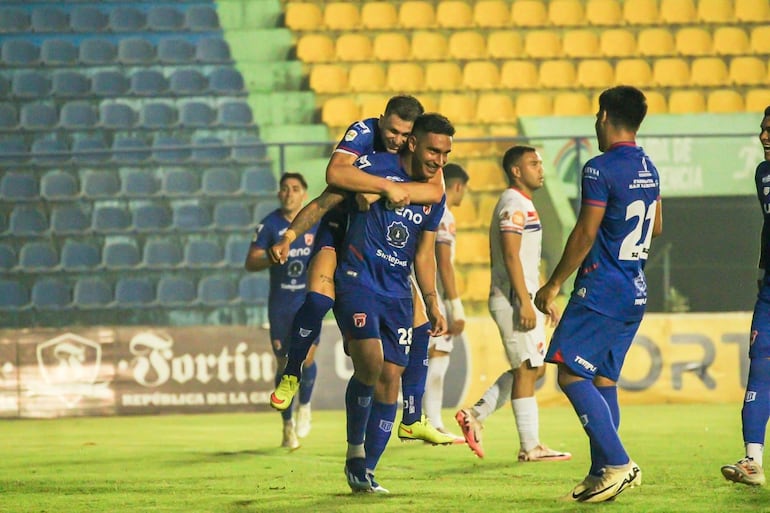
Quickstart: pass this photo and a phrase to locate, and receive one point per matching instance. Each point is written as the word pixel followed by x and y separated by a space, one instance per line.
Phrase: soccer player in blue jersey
pixel 288 284
pixel 374 307
pixel 756 403
pixel 619 214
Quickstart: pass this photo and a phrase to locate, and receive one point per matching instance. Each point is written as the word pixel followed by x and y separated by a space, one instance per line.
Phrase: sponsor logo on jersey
pixel 359 320
pixel 766 179
pixel 350 135
pixel 591 172
pixel 391 259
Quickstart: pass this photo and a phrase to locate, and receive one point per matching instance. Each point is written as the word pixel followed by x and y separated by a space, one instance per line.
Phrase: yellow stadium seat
pixel 724 101
pixel 467 45
pixel 533 104
pixel 677 12
pixel 303 16
pixel 372 105
pixel 428 46
pixel 481 75
pixel 566 13
pixel 475 250
pixel 633 71
pixel 460 108
pixel 495 108
pixel 715 11
pixel 760 40
pixel 506 135
pixel 580 43
pixel 747 71
pixel 487 202
pixel 693 41
pixel 478 280
pixel 466 215
pixel 504 44
pixel 757 100
pixel 339 112
pixel 672 72
pixel 328 78
pixel 542 44
pixel 391 46
pixel 366 78
pixel 708 72
pixel 341 16
pixel 379 16
pixel 464 147
pixel 617 43
pixel 605 13
pixel 655 42
pixel 454 14
pixel 752 11
pixel 486 175
pixel 556 74
pixel 353 47
pixel 314 48
pixel 571 104
pixel 491 14
pixel 529 13
pixel 416 15
pixel 640 12
pixel 429 102
pixel 405 76
pixel 730 41
pixel 656 102
pixel 443 76
pixel 595 73
pixel 518 75
pixel 686 102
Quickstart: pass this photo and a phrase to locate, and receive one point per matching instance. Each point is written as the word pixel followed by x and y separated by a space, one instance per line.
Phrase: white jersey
pixel 446 234
pixel 515 213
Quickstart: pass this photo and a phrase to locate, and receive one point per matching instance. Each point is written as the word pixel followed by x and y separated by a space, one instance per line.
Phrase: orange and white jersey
pixel 515 213
pixel 446 234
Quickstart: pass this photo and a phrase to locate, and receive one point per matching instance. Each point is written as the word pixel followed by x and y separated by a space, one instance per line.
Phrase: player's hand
pixel 279 252
pixel 457 327
pixel 545 296
pixel 553 316
pixel 365 200
pixel 438 324
pixel 527 319
pixel 396 195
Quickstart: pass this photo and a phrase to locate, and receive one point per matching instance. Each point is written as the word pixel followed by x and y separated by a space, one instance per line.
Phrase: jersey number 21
pixel 637 243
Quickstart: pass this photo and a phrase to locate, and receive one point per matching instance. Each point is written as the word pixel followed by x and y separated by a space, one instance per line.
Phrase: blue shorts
pixel 590 343
pixel 281 320
pixel 759 343
pixel 331 230
pixel 363 314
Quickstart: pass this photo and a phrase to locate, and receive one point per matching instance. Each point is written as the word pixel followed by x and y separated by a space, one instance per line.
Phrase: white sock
pixel 433 399
pixel 754 451
pixel 495 396
pixel 527 422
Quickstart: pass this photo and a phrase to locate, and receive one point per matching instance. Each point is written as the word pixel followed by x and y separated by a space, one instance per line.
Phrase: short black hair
pixel 433 123
pixel 625 106
pixel 296 176
pixel 767 111
pixel 455 172
pixel 405 107
pixel 511 158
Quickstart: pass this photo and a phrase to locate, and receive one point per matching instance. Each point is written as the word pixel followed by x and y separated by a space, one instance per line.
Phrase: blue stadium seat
pixel 13 151
pixel 79 115
pixel 87 18
pixel 70 84
pixel 5 87
pixel 162 253
pixel 121 253
pixel 201 18
pixel 110 219
pixel 97 52
pixel 127 19
pixel 13 295
pixel 101 184
pixel 158 115
pixel 92 292
pixel 148 82
pixel 180 182
pixel 216 290
pixel 51 294
pixel 168 149
pixel 176 291
pixel 9 118
pixel 13 20
pixel 38 116
pixel 221 181
pixel 49 19
pixel 127 150
pixel 19 52
pixel 117 116
pixel 69 219
pixel 58 52
pixel 30 85
pixel 202 253
pixel 236 249
pixel 58 185
pixel 264 208
pixel 254 288
pixel 197 114
pixel 38 257
pixel 139 184
pixel 232 216
pixel 249 149
pixel 79 256
pixel 259 181
pixel 134 292
pixel 191 217
pixel 7 257
pixel 165 18
pixel 210 150
pixel 176 51
pixel 18 187
pixel 188 82
pixel 27 220
pixel 136 51
pixel 152 217
pixel 213 50
pixel 90 149
pixel 235 114
pixel 226 81
pixel 109 83
pixel 3 224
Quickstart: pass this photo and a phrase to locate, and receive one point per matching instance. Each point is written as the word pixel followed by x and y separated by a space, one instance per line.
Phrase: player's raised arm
pixel 343 174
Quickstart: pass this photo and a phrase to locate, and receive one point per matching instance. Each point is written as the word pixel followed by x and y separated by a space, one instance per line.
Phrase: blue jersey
pixel 611 279
pixel 380 245
pixel 762 181
pixel 362 137
pixel 288 282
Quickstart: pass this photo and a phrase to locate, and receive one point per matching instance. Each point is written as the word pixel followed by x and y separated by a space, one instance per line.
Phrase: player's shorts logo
pixel 397 234
pixel 359 320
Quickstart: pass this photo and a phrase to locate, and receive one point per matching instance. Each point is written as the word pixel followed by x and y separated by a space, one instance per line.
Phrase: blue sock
pixel 378 432
pixel 306 382
pixel 610 394
pixel 305 329
pixel 285 414
pixel 415 374
pixel 594 414
pixel 756 405
pixel 358 405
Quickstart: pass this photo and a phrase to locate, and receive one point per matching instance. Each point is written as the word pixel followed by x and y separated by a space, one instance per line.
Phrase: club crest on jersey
pixel 765 190
pixel 397 234
pixel 359 320
pixel 350 135
pixel 753 337
pixel 426 209
pixel 308 239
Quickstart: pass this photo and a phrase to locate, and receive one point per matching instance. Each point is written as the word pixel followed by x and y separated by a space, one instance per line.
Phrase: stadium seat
pixel 13 20
pixel 134 292
pixel 86 18
pixel 89 149
pixel 454 14
pixel 314 48
pixel 566 13
pixel 580 43
pixel 232 216
pixel 101 184
pixel 352 47
pixel 472 249
pixel 443 76
pixel 265 207
pixel 79 256
pixel 168 149
pixel 757 100
pixel 216 290
pixel 180 182
pixel 504 44
pixel 693 41
pixel 640 12
pixel 339 111
pixel 127 19
pixel 136 51
pixel 151 217
pixel 7 257
pixel 176 291
pixel 572 104
pixel 724 101
pixel 191 217
pixel 467 45
pixel 460 108
pixel 28 85
pixel 48 19
pixel 747 71
pixel 428 46
pixel 236 249
pixel 13 295
pixel 341 16
pixel 366 78
pixel 210 150
pixel 19 52
pixel 328 79
pixel 59 186
pixel 57 53
pixel 518 75
pixel 165 18
pixel 533 104
pixel 38 116
pixel 253 289
pixel 109 83
pixel 201 18
pixel 486 175
pixel 260 180
pixel 27 220
pixel 121 253
pixel 481 75
pixel 16 187
pixel 200 253
pixel 731 41
pixel 655 42
pixel 234 114
pixel 301 16
pixel 466 215
pixel 542 44
pixel 139 184
pixel 9 118
pixel 197 114
pixel 35 257
pixel 708 72
pixel 69 219
pixel 529 13
pixel 605 13
pixel 633 71
pixel 401 76
pixel 390 46
pixel 749 11
pixel 656 102
pixel 96 52
pixel 70 84
pixel 110 219
pixel 51 294
pixel 92 292
pixel 130 150
pixel 617 43
pixel 760 40
pixel 556 74
pixel 715 11
pixel 595 74
pixel 188 82
pixel 212 50
pixel 491 14
pixel 49 150
pixel 79 115
pixel 176 50
pixel 671 72
pixel 379 16
pixel 677 12
pixel 683 101
pixel 147 82
pixel 465 141
pixel 416 15
pixel 226 80
pixel 495 108
pixel 220 181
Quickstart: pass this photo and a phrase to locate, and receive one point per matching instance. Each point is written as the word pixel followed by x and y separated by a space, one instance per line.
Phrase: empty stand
pixel 708 72
pixel 13 295
pixel 51 294
pixel 80 256
pixel 176 291
pixel 752 10
pixel 216 290
pixel 467 45
pixel 454 14
pixel 491 13
pixel 416 15
pixel 92 292
pixel 134 292
pixel 580 43
pixel 253 289
pixel 724 101
pixel 504 44
pixel 603 12
pixel 686 102
pixel 640 12
pixel 566 13
pixel 379 15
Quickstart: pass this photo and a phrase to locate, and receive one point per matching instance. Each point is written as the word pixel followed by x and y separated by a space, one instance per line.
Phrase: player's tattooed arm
pixel 425 272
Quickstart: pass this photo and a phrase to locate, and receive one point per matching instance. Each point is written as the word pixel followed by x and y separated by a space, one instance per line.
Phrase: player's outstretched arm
pixel 257 259
pixel 425 272
pixel 342 174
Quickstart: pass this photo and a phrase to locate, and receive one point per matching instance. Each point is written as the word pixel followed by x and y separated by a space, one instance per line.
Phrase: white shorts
pixel 445 342
pixel 520 346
